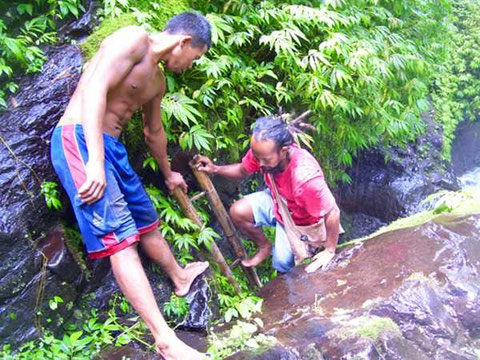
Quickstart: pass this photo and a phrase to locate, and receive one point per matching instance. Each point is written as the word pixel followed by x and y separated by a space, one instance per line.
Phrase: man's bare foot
pixel 261 255
pixel 191 271
pixel 175 349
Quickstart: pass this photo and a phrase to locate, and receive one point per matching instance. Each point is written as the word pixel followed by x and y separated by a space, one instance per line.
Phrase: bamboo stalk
pixel 192 214
pixel 225 222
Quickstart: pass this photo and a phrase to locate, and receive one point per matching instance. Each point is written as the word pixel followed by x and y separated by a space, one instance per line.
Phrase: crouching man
pixel 298 202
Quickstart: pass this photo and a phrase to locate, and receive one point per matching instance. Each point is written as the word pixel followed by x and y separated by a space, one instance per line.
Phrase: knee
pixel 283 265
pixel 239 212
pixel 130 252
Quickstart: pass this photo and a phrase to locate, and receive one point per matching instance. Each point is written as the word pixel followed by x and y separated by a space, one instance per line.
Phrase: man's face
pixel 183 55
pixel 271 159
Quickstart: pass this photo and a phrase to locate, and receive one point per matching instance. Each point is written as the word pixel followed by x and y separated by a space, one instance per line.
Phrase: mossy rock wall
pixel 159 13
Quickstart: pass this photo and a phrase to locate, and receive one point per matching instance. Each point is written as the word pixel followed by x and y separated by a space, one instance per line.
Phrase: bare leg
pixel 242 216
pixel 158 250
pixel 134 284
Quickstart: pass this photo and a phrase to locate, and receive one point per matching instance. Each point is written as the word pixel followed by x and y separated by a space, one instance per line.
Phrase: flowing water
pixel 471 180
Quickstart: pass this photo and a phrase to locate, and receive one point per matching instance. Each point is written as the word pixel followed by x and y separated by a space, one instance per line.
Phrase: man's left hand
pixel 321 260
pixel 176 180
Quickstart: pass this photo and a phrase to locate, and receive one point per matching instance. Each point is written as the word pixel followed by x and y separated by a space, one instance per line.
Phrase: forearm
pixel 232 171
pixel 93 128
pixel 332 225
pixel 158 148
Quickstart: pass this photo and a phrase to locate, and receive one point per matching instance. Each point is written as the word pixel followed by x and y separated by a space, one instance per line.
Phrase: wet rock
pixel 131 352
pixel 103 288
pixel 79 29
pixel 388 183
pixel 25 130
pixel 466 147
pixel 357 225
pixel 134 351
pixel 411 293
pixel 198 299
pixel 56 274
pixel 275 353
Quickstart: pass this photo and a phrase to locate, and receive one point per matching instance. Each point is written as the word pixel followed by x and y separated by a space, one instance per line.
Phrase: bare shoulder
pixel 129 40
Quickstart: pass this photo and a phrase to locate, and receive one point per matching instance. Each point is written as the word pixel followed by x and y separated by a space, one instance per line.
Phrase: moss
pixel 162 10
pixel 447 204
pixel 158 13
pixel 108 26
pixel 74 243
pixel 373 327
pixel 369 327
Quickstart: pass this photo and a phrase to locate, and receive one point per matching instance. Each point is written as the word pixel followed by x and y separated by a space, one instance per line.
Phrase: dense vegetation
pixel 364 67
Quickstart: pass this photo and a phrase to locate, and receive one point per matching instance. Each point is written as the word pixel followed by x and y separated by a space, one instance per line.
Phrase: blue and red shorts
pixel 123 213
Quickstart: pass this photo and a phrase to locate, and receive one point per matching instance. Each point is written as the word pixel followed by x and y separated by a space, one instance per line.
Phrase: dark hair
pixel 273 128
pixel 194 24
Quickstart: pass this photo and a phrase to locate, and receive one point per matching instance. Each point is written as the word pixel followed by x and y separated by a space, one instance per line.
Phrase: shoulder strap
pixel 282 204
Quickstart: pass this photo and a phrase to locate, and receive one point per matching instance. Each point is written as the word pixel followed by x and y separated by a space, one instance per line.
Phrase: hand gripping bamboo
pixel 225 222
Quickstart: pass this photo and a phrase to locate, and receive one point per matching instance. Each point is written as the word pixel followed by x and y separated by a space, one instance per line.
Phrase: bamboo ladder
pixel 225 222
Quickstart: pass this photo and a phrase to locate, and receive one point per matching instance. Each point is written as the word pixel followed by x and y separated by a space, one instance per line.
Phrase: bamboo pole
pixel 192 214
pixel 225 222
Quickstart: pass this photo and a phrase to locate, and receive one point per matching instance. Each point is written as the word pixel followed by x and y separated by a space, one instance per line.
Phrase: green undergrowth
pixel 243 335
pixel 442 204
pixel 84 338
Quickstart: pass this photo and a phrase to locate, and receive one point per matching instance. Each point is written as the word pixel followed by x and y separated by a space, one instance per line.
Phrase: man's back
pixel 127 90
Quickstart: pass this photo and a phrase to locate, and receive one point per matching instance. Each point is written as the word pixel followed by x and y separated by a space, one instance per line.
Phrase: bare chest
pixel 142 83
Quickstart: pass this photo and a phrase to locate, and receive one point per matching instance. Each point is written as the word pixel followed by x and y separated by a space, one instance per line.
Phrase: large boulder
pixel 411 293
pixel 33 255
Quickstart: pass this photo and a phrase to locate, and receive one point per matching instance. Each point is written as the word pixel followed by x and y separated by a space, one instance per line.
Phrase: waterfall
pixel 471 180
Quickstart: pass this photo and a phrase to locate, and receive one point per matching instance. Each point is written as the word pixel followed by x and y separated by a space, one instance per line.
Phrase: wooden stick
pixel 225 222
pixel 198 196
pixel 192 214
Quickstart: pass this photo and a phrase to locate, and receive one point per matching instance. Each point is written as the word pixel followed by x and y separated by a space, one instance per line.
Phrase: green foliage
pixel 82 341
pixel 456 91
pixel 242 335
pixel 24 28
pixel 233 305
pixel 151 163
pixel 53 303
pixel 363 68
pixel 180 231
pixel 177 308
pixel 50 192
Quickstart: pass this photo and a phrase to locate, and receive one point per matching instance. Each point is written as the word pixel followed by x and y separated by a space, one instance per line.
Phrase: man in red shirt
pixel 298 179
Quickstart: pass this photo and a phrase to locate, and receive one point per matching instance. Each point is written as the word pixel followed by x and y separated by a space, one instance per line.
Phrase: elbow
pixel 334 214
pixel 243 172
pixel 148 136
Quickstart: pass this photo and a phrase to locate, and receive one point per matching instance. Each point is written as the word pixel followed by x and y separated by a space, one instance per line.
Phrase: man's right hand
pixel 204 164
pixel 94 186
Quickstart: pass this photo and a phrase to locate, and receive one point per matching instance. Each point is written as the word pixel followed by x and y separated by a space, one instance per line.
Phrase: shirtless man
pixel 113 210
